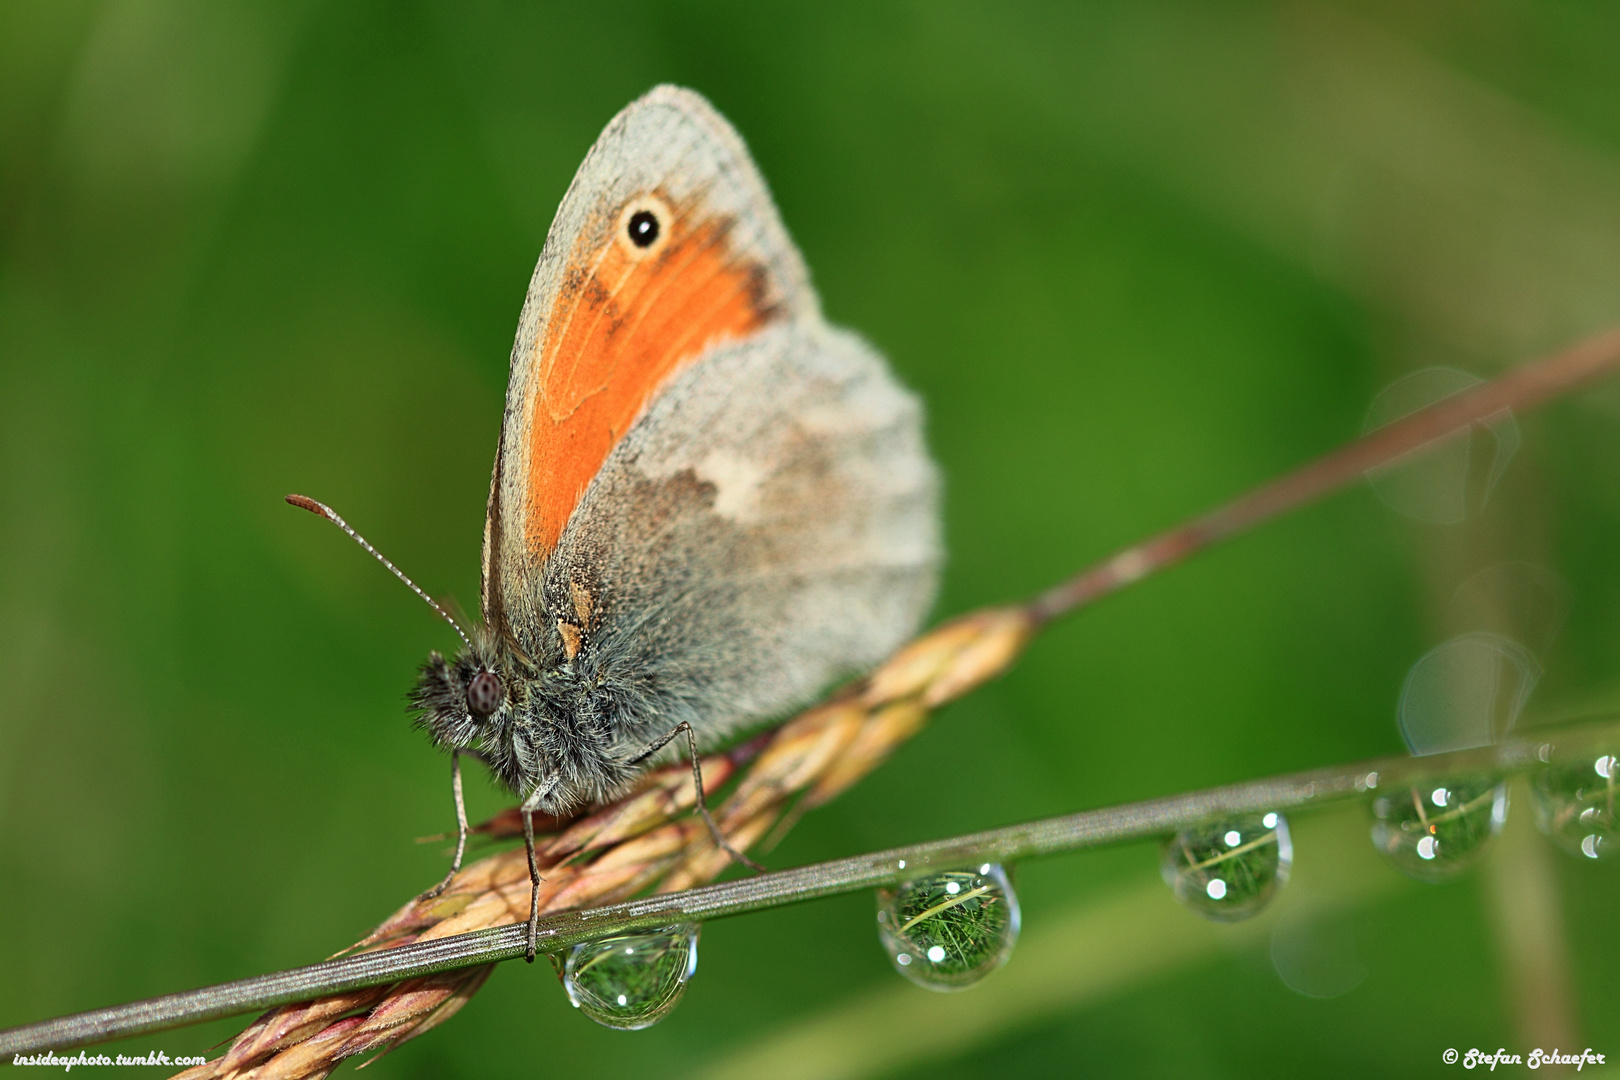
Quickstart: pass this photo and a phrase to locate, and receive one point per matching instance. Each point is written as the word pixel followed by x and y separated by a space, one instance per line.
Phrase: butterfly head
pixel 464 703
pixel 554 733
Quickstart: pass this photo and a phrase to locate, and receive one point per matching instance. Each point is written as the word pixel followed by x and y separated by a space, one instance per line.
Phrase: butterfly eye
pixel 484 693
pixel 643 228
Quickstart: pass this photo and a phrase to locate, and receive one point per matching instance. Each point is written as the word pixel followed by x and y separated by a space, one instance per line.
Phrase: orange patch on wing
pixel 621 327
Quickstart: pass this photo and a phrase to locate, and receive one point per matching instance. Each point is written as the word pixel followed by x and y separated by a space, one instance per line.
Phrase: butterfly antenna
pixel 322 510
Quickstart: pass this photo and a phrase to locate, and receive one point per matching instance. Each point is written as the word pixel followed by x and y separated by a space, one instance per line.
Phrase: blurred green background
pixel 1136 257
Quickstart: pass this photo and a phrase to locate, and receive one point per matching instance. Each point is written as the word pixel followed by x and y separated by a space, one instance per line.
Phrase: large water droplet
pixel 1229 869
pixel 1437 830
pixel 1575 805
pixel 632 981
pixel 949 930
pixel 1445 480
pixel 1466 692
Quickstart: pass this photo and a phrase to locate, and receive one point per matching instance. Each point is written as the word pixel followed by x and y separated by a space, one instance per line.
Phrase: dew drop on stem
pixel 1228 869
pixel 949 930
pixel 1574 803
pixel 630 981
pixel 1436 830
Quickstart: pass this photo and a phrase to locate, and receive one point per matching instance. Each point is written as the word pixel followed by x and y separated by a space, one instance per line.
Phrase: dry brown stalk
pixel 646 841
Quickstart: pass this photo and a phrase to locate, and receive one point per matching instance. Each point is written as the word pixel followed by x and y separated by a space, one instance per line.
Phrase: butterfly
pixel 708 504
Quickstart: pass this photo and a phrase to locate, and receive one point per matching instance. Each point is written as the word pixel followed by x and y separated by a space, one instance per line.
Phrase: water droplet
pixel 1575 805
pixel 949 930
pixel 1466 692
pixel 1224 880
pixel 1445 480
pixel 1433 832
pixel 632 981
pixel 1314 953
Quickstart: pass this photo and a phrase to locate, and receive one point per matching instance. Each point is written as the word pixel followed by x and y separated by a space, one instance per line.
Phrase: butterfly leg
pixel 528 808
pixel 461 829
pixel 697 781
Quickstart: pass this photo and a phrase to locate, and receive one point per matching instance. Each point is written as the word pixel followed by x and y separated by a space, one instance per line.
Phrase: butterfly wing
pixel 605 322
pixel 697 477
pixel 769 525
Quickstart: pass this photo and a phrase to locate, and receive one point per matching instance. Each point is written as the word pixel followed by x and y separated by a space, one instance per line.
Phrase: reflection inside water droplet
pixel 632 981
pixel 1443 481
pixel 1574 805
pixel 1226 880
pixel 1466 692
pixel 949 930
pixel 1433 833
